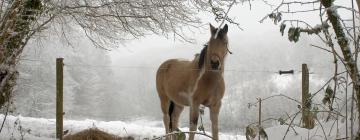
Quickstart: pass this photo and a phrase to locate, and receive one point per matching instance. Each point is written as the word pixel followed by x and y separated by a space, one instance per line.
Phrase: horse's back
pixel 173 77
pixel 173 67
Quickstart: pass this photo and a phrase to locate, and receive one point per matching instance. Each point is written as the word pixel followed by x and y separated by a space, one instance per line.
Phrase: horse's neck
pixel 213 75
pixel 204 70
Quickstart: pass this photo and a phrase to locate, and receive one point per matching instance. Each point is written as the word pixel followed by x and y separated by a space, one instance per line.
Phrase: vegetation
pixel 94 134
pixel 105 23
pixel 346 50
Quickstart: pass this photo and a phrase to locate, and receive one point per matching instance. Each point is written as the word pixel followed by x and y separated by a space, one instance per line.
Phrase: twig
pixel 277 8
pixel 346 106
pixel 352 113
pixel 267 3
pixel 306 24
pixel 268 119
pixel 330 112
pixel 187 132
pixel 289 3
pixel 313 95
pixel 259 99
pixel 125 130
pixel 300 11
pixel 302 3
pixel 279 95
pixel 292 126
pixel 320 48
pixel 342 138
pixel 332 126
pixel 321 127
pixel 337 54
pixel 225 17
pixel 292 120
pixel 6 113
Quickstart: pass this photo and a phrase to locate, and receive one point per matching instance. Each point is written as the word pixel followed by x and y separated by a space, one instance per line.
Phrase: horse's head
pixel 217 48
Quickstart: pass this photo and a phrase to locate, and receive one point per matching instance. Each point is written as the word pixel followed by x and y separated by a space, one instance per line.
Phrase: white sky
pixel 259 47
pixel 256 37
pixel 256 43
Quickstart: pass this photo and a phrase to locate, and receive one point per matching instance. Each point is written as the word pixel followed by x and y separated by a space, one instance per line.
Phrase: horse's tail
pixel 171 110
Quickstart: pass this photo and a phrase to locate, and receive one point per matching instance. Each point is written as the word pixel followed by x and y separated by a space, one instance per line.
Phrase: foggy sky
pixel 121 83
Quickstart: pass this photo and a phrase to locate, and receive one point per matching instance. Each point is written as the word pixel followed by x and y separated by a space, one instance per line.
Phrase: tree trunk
pixel 345 49
pixel 15 29
pixel 358 4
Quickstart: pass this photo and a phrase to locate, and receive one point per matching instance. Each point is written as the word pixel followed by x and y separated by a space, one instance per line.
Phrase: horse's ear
pixel 212 30
pixel 225 29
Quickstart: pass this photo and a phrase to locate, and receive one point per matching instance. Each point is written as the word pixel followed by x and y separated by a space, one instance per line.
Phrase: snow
pixel 106 94
pixel 278 132
pixel 44 129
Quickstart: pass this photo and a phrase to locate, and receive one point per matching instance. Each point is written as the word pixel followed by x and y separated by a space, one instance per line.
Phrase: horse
pixel 181 83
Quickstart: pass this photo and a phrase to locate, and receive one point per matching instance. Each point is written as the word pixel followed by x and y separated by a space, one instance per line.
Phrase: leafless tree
pixel 331 27
pixel 104 22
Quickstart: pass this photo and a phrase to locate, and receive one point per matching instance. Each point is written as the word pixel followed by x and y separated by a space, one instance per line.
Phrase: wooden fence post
pixel 259 116
pixel 307 117
pixel 59 98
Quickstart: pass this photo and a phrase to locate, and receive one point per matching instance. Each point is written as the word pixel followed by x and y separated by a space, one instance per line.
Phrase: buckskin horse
pixel 183 83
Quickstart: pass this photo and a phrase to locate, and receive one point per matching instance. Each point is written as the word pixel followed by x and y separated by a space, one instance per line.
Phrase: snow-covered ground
pixel 331 130
pixel 44 129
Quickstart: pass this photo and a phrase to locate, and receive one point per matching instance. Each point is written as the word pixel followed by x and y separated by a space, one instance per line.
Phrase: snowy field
pixel 29 128
pixel 44 129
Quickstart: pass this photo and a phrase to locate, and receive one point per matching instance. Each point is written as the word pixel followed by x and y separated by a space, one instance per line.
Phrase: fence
pixel 308 121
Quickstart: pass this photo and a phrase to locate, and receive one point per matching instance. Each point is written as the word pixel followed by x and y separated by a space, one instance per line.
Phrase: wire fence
pixel 143 88
pixel 319 67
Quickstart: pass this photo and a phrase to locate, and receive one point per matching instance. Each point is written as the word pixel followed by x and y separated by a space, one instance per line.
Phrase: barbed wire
pixel 228 69
pixel 193 69
pixel 153 68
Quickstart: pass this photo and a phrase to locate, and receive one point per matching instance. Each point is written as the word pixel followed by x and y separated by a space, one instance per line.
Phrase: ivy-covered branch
pixel 14 32
pixel 343 42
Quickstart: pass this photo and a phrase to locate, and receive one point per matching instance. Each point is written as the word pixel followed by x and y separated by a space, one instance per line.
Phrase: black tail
pixel 171 110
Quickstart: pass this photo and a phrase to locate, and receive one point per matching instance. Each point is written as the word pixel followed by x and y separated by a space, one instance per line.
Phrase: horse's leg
pixel 194 116
pixel 214 114
pixel 165 103
pixel 175 116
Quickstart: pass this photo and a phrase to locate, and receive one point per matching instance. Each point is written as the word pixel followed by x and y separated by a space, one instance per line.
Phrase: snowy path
pixel 44 129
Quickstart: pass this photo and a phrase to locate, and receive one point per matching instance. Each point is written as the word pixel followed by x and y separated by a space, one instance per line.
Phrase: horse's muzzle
pixel 215 65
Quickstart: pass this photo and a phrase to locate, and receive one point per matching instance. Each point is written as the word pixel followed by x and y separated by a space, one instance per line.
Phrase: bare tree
pixel 330 22
pixel 104 22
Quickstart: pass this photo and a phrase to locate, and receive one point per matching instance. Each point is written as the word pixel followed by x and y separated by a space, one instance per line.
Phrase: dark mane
pixel 202 56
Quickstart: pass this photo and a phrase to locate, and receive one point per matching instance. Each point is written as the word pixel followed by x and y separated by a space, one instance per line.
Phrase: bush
pixel 94 134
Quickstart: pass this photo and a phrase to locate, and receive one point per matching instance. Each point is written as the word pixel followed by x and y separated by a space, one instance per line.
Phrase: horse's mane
pixel 202 56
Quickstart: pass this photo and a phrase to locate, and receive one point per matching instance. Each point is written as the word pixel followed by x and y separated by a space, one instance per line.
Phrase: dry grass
pixel 94 134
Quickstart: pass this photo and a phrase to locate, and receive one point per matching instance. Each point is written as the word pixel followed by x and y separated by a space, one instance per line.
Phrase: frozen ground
pixel 44 129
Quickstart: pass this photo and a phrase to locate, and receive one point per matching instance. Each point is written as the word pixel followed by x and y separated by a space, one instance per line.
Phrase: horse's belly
pixel 181 98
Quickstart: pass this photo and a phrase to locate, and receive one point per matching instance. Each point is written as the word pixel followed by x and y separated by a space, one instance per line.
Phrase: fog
pixel 120 84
